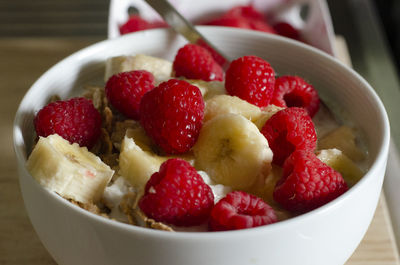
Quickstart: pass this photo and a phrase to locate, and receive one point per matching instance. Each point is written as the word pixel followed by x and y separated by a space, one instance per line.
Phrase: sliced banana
pixel 344 139
pixel 341 163
pixel 138 134
pixel 224 104
pixel 137 165
pixel 160 68
pixel 232 151
pixel 202 85
pixel 266 188
pixel 137 159
pixel 208 89
pixel 68 169
pixel 265 114
pixel 215 88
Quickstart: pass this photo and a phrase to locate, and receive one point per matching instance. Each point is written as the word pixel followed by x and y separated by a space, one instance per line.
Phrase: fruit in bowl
pixel 95 239
pixel 227 146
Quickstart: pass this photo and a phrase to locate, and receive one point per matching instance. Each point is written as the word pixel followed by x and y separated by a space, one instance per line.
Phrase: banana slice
pixel 137 165
pixel 68 169
pixel 266 188
pixel 232 151
pixel 266 113
pixel 201 84
pixel 139 136
pixel 160 68
pixel 137 159
pixel 344 139
pixel 208 89
pixel 341 163
pixel 224 104
pixel 214 88
pixel 141 139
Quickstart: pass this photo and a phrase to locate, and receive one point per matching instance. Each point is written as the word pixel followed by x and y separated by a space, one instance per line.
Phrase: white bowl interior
pixel 338 86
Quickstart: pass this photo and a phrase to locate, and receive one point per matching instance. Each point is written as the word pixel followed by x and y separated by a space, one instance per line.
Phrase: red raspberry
pixel 254 18
pixel 261 26
pixel 177 195
pixel 195 62
pixel 158 24
pixel 286 30
pixel 246 17
pixel 234 22
pixel 289 130
pixel 252 79
pixel 172 115
pixel 125 90
pixel 134 23
pixel 76 120
pixel 247 11
pixel 240 210
pixel 217 57
pixel 307 183
pixel 293 91
pixel 137 23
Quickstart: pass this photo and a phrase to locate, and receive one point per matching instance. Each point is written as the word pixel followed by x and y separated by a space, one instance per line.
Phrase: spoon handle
pixel 184 27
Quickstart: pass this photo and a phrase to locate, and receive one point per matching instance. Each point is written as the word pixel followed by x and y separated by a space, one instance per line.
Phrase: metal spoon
pixel 184 27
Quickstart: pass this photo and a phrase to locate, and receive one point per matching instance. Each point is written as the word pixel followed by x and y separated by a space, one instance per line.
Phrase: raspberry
pixel 286 30
pixel 172 115
pixel 76 120
pixel 234 22
pixel 134 23
pixel 125 90
pixel 158 24
pixel 217 57
pixel 254 18
pixel 240 210
pixel 293 91
pixel 261 26
pixel 246 17
pixel 307 183
pixel 252 79
pixel 195 62
pixel 137 23
pixel 247 11
pixel 177 195
pixel 289 130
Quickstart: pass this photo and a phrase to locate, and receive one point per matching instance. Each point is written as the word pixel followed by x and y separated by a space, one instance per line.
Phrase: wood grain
pixel 378 247
pixel 23 61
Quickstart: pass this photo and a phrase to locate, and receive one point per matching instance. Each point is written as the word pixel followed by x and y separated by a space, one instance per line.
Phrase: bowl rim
pixel 380 159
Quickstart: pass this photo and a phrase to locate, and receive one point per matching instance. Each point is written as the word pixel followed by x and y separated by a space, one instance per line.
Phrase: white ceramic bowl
pixel 327 235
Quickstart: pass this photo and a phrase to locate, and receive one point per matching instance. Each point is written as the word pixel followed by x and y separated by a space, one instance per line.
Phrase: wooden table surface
pixel 22 61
